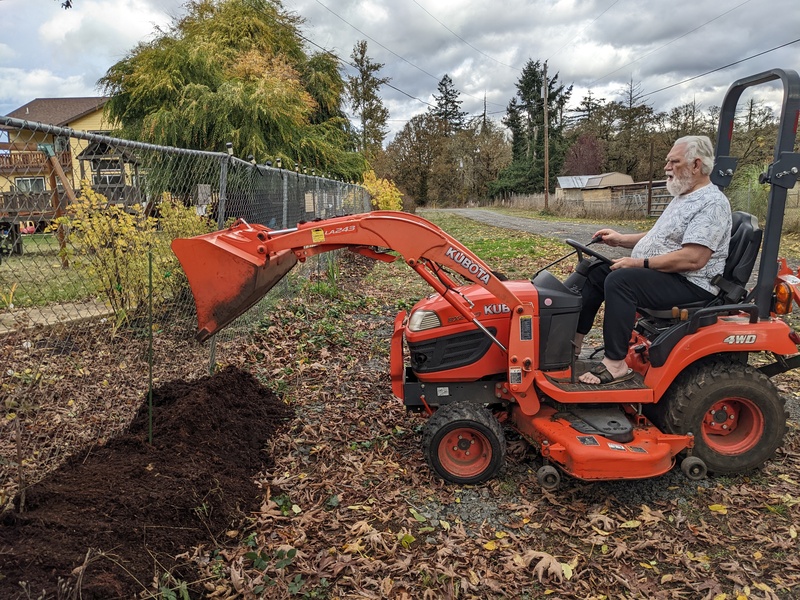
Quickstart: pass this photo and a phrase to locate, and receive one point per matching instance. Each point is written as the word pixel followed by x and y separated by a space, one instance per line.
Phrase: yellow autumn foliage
pixel 109 245
pixel 383 192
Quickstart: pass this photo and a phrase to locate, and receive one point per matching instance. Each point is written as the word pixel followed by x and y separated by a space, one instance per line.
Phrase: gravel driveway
pixel 579 231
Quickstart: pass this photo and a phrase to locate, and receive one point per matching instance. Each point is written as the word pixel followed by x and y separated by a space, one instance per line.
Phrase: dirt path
pixel 579 231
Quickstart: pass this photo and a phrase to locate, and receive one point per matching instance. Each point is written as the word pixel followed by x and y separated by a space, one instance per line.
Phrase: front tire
pixel 733 410
pixel 463 443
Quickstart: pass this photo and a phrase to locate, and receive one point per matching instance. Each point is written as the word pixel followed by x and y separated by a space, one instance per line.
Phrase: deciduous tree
pixel 235 71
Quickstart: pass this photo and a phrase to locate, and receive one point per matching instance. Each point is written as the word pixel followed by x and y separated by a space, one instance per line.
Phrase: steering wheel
pixel 586 250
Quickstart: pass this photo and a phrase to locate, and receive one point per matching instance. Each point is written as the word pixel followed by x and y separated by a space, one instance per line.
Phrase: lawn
pixel 38 277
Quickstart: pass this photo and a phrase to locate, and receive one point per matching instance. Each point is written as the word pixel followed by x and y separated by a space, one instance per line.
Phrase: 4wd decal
pixel 749 338
pixel 465 261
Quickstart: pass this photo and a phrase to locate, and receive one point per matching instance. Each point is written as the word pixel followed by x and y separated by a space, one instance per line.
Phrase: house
pixel 590 188
pixel 27 174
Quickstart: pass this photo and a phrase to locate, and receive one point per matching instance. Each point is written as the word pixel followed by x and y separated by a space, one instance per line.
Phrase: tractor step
pixel 635 383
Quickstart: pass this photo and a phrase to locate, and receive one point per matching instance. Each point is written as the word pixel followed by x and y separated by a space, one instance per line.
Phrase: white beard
pixel 678 185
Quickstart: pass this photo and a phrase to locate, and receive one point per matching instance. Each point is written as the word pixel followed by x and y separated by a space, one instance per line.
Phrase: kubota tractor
pixel 494 354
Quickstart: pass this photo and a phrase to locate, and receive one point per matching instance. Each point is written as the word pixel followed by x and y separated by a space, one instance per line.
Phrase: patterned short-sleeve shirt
pixel 701 217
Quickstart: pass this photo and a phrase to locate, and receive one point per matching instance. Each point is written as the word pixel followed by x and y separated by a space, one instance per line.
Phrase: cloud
pixel 6 53
pixel 38 83
pixel 597 45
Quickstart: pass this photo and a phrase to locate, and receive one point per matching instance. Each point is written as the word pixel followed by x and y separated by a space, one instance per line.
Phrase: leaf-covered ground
pixel 349 509
pixel 351 494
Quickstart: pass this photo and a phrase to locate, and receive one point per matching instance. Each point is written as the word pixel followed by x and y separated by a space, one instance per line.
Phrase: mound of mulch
pixel 114 517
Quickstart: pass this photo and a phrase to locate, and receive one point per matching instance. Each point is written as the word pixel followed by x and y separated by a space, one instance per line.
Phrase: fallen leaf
pixel 419 517
pixel 718 508
pixel 630 524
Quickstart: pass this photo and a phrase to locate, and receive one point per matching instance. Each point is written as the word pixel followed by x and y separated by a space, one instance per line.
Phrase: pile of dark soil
pixel 113 518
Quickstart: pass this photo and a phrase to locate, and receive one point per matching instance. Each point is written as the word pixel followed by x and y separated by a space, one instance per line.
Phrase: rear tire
pixel 463 443
pixel 733 410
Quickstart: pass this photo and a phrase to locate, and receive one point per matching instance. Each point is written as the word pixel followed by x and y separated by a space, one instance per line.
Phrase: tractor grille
pixel 449 352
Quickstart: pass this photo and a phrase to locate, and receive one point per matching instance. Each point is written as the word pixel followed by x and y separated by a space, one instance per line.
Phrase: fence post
pixel 223 185
pixel 285 188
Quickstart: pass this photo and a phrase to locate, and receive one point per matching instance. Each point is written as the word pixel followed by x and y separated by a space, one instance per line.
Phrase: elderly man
pixel 672 264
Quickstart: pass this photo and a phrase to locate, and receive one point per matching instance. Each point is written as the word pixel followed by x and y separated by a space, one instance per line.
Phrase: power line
pixel 341 60
pixel 376 41
pixel 395 54
pixel 463 40
pixel 723 67
pixel 668 43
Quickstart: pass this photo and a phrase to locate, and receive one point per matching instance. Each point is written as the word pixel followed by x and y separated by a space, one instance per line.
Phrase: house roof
pixel 588 181
pixel 573 181
pixel 58 111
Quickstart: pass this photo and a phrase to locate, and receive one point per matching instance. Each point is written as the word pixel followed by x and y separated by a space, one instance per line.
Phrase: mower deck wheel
pixel 463 443
pixel 548 477
pixel 694 468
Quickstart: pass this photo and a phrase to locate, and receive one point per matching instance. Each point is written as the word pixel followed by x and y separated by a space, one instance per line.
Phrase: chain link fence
pixel 94 308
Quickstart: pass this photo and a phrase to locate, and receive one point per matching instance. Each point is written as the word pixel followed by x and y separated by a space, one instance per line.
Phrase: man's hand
pixel 627 263
pixel 612 238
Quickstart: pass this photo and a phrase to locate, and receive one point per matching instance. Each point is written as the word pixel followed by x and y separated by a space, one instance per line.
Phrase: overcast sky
pixel 46 51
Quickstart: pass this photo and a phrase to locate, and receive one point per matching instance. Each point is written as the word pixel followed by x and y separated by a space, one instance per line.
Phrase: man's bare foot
pixel 616 368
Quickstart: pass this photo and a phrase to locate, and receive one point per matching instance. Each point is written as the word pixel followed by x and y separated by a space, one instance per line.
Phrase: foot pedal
pixel 609 422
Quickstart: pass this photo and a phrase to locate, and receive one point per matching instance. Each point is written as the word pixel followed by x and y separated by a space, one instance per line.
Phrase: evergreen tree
pixel 525 120
pixel 448 106
pixel 367 105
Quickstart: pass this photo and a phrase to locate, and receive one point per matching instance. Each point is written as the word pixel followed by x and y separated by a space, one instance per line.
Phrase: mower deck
pixel 592 456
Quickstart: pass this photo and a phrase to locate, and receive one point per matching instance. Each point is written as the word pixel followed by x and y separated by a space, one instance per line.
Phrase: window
pixel 29 184
pixel 62 144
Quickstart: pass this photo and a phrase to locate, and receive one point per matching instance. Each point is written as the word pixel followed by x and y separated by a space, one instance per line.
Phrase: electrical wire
pixel 721 68
pixel 421 70
pixel 463 40
pixel 668 43
pixel 343 61
pixel 395 54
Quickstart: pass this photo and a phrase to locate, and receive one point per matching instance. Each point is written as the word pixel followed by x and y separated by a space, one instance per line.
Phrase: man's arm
pixel 624 240
pixel 690 257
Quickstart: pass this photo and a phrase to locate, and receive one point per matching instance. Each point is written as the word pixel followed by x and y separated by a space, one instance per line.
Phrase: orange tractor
pixel 490 354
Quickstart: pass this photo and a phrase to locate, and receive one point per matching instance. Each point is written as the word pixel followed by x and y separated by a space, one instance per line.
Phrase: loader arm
pixel 231 269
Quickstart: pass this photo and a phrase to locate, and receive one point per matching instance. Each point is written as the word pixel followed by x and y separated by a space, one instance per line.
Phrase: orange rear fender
pixel 728 334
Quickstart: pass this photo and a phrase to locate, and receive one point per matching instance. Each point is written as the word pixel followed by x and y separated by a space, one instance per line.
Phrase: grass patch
pixel 515 253
pixel 37 276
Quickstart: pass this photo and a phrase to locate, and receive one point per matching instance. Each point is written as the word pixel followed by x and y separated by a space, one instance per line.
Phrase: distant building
pixel 588 188
pixel 28 177
pixel 23 165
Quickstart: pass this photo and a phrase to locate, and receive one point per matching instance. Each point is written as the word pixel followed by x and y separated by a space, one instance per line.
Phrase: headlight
pixel 423 319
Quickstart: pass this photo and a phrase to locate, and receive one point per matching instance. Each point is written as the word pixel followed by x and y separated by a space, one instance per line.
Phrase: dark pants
pixel 623 291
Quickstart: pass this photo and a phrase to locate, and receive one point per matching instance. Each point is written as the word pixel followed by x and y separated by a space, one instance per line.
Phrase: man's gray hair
pixel 699 146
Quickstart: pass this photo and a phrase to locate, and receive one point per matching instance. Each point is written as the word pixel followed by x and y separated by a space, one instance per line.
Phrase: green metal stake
pixel 150 348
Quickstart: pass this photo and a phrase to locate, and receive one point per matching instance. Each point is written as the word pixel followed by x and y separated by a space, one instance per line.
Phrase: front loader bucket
pixel 225 279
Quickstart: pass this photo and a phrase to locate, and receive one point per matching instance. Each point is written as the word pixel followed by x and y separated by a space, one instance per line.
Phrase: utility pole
pixel 545 89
